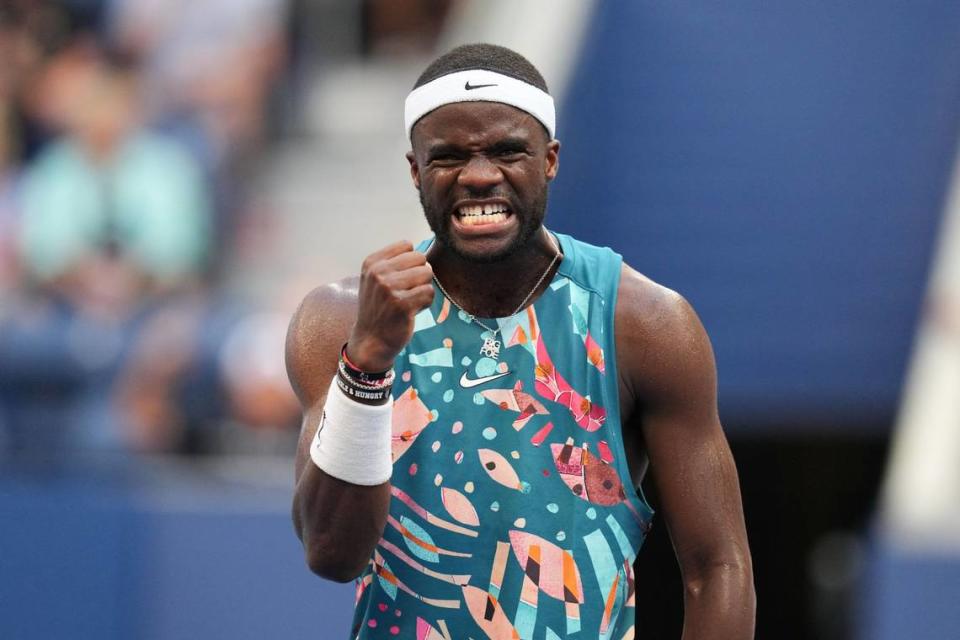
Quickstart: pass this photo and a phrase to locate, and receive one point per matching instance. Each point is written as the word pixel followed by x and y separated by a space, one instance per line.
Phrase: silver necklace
pixel 491 346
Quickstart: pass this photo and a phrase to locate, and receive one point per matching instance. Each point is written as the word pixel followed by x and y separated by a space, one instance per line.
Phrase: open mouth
pixel 483 214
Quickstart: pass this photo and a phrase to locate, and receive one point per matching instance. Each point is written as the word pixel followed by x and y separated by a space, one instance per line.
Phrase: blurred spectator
pixel 111 209
pixel 20 51
pixel 260 404
pixel 208 68
pixel 209 377
pixel 402 27
pixel 214 60
pixel 112 218
pixel 126 130
pixel 8 217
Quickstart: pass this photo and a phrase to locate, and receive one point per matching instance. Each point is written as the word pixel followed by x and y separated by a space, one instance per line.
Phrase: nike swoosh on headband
pixel 467 383
pixel 471 87
pixel 479 85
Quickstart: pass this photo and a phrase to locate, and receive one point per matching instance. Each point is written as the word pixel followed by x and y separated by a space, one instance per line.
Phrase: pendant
pixel 490 348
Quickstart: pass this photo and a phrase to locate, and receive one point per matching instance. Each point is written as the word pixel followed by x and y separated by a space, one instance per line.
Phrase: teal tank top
pixel 512 513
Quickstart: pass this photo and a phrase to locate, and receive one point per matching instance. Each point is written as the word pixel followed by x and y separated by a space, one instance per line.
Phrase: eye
pixel 510 155
pixel 509 152
pixel 445 160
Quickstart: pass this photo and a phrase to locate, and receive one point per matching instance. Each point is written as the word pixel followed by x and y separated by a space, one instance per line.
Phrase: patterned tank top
pixel 512 511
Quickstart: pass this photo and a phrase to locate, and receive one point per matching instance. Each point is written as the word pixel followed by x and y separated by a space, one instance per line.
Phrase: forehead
pixel 475 123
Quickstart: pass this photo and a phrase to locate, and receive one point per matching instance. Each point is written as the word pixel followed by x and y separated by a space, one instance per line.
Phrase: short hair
pixel 489 57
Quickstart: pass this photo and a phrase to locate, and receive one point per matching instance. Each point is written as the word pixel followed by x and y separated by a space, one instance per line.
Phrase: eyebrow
pixel 443 148
pixel 504 144
pixel 510 144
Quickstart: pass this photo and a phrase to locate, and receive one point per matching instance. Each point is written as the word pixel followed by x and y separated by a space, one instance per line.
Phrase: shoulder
pixel 326 303
pixel 317 331
pixel 646 308
pixel 662 346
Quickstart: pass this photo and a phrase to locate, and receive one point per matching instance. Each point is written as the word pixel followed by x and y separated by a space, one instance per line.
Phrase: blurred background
pixel 175 176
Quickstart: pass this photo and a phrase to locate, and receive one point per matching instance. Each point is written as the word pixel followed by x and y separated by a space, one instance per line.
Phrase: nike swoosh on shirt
pixel 467 383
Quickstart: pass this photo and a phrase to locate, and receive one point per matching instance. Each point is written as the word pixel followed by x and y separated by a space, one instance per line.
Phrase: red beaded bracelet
pixel 358 373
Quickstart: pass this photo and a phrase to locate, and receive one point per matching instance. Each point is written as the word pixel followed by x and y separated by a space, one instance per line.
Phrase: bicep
pixel 690 459
pixel 317 331
pixel 699 492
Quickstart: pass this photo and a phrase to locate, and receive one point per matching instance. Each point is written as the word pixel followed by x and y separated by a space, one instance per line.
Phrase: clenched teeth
pixel 482 210
pixel 492 218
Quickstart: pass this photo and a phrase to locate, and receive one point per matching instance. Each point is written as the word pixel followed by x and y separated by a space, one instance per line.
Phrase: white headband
pixel 479 85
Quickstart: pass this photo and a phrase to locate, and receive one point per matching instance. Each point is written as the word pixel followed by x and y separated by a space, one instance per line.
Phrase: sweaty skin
pixel 668 399
pixel 479 152
pixel 337 520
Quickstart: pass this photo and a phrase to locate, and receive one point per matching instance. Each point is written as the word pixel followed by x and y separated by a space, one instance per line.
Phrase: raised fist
pixel 395 285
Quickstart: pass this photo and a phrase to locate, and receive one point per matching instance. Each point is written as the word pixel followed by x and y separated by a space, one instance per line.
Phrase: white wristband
pixel 353 440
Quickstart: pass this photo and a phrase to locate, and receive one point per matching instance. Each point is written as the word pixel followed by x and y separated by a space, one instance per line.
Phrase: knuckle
pixel 395 296
pixel 378 278
pixel 398 249
pixel 412 302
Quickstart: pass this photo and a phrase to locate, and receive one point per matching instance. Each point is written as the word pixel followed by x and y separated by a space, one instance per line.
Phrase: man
pixel 492 390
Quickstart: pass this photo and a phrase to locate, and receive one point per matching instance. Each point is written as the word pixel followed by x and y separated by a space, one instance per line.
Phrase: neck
pixel 495 289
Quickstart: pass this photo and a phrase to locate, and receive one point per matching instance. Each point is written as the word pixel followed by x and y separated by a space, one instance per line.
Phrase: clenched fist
pixel 395 285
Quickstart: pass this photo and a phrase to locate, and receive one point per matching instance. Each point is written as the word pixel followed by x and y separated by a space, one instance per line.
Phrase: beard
pixel 531 219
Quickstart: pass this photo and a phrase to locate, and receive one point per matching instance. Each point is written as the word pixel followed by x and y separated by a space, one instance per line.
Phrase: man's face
pixel 482 170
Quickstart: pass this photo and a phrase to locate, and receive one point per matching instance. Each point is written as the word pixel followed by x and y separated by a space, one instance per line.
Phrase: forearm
pixel 343 482
pixel 338 522
pixel 720 603
pixel 345 457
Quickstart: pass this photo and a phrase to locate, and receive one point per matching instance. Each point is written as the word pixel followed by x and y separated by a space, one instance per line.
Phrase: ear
pixel 414 169
pixel 552 159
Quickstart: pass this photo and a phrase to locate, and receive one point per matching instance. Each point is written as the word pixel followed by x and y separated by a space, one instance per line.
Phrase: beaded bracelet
pixel 364 387
pixel 359 374
pixel 345 370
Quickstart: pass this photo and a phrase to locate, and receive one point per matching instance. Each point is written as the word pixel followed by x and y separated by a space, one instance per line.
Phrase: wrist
pixel 353 441
pixel 371 388
pixel 365 357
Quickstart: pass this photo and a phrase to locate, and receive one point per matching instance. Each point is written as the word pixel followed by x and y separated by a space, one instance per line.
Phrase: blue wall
pixel 160 553
pixel 783 166
pixel 910 592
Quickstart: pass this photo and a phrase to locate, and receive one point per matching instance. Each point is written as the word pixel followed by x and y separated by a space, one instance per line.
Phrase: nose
pixel 479 174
